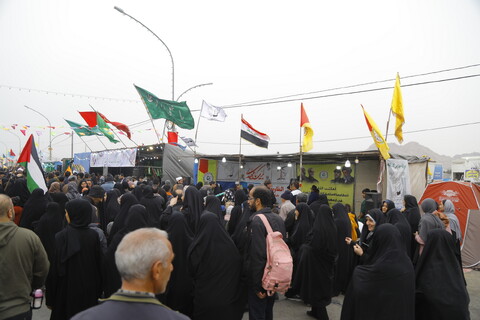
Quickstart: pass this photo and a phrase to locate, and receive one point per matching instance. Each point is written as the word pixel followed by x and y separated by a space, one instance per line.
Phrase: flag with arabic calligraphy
pixel 177 112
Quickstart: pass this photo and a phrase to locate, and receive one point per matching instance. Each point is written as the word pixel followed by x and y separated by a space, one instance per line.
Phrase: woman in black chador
pixel 440 286
pixel 74 282
pixel 315 269
pixel 216 266
pixel 384 286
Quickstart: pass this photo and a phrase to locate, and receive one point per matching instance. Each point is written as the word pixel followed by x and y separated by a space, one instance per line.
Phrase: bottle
pixel 37 299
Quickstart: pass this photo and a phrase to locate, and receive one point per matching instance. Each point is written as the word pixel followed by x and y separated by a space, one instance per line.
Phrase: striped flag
pixel 30 161
pixel 377 136
pixel 254 136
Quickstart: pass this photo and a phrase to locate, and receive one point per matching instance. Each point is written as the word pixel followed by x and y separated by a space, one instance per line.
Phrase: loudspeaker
pixel 373 200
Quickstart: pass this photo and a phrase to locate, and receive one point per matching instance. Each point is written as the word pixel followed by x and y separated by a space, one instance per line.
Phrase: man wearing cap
pixel 287 204
pixel 179 180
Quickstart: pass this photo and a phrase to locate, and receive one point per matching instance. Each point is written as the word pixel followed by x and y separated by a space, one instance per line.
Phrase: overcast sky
pixel 250 51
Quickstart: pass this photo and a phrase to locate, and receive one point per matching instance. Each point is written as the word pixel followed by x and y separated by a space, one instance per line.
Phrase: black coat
pixel 396 218
pixel 33 209
pixel 384 287
pixel 215 265
pixel 48 226
pixel 74 282
pixel 314 273
pixel 345 262
pixel 440 286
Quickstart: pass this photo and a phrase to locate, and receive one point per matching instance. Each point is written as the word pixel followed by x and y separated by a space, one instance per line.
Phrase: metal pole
pixel 169 52
pixel 50 132
pixel 116 135
pixel 301 156
pixel 19 142
pixel 197 86
pixel 240 154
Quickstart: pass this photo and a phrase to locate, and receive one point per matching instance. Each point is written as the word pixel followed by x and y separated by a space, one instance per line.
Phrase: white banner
pixel 115 158
pixel 398 181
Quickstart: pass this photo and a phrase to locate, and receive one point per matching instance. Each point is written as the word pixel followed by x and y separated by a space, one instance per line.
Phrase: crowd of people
pixel 151 249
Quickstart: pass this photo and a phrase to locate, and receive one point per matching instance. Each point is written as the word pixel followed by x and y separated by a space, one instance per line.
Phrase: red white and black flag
pixel 254 136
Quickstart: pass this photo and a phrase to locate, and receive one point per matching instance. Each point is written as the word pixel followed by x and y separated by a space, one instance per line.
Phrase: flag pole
pixel 198 125
pixel 301 151
pixel 116 135
pixel 388 122
pixel 240 152
pixel 81 138
pixel 151 119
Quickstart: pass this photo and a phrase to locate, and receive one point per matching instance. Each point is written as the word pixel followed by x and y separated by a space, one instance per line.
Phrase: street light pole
pixel 169 52
pixel 49 134
pixel 197 86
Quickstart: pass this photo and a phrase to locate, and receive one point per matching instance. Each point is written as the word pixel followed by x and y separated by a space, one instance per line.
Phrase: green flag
pixel 105 129
pixel 82 129
pixel 177 112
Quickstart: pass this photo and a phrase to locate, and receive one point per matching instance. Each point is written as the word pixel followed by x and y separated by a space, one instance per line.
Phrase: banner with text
pixel 336 184
pixel 114 158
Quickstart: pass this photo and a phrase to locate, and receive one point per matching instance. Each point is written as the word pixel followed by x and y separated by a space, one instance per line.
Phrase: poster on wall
pixel 278 172
pixel 333 180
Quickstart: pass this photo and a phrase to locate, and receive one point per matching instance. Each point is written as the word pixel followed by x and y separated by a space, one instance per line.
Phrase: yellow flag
pixel 377 136
pixel 397 110
pixel 69 169
pixel 307 143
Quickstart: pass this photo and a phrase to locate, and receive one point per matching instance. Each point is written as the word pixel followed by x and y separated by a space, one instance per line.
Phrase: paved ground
pixel 287 309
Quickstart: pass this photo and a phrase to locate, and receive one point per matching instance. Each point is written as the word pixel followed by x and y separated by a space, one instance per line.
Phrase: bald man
pixel 23 264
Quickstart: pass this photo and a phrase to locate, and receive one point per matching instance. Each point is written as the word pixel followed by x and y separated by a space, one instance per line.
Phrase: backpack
pixel 277 275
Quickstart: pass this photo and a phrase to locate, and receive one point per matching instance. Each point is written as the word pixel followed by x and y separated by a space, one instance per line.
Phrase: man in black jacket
pixel 260 305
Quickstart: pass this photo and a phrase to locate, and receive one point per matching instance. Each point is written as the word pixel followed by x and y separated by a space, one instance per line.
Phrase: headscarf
pixel 412 212
pixel 80 214
pixel 449 211
pixel 379 218
pixel 192 207
pixel 153 204
pixel 396 218
pixel 54 187
pixel 112 207
pixel 138 191
pixel 315 205
pixel 33 209
pixel 324 232
pixel 240 197
pixel 429 221
pixel 390 205
pixel 214 205
pixel 72 191
pixel 119 187
pixel 440 285
pixel 49 224
pixel 387 269
pixel 126 201
pixel 302 226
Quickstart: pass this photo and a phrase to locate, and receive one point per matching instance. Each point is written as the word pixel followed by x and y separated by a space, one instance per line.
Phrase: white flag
pixel 212 113
pixel 189 141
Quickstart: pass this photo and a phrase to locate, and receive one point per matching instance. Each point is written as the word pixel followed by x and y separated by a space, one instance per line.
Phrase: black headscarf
pixel 112 207
pixel 126 201
pixel 236 213
pixel 301 228
pixel 49 224
pixel 345 262
pixel 390 205
pixel 396 218
pixel 215 265
pixel 313 278
pixel 388 269
pixel 240 234
pixel 178 295
pixel 412 212
pixel 119 187
pixel 80 214
pixel 214 205
pixel 138 191
pixel 192 207
pixel 379 218
pixel 137 218
pixel 440 286
pixel 315 205
pixel 153 204
pixel 33 209
pixel 19 188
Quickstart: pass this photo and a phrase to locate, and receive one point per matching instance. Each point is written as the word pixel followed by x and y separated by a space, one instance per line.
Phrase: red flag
pixel 12 154
pixel 172 137
pixel 91 119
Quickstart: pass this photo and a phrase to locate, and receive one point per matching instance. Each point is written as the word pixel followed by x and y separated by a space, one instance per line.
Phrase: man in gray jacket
pixel 23 265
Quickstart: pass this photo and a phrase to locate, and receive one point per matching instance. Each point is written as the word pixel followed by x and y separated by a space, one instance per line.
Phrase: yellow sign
pixel 336 184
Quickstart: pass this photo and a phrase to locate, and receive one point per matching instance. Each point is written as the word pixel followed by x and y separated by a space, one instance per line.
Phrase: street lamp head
pixel 119 9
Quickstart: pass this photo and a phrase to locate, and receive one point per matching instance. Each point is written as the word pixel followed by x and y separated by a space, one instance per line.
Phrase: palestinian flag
pixel 33 168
